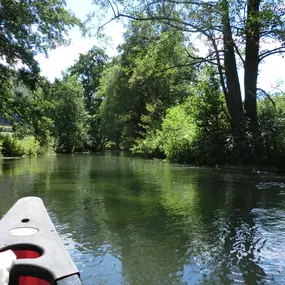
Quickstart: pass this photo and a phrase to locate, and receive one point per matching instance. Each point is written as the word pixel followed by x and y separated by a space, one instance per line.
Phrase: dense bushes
pixel 179 133
pixel 196 131
pixel 12 146
pixel 150 146
pixel 272 134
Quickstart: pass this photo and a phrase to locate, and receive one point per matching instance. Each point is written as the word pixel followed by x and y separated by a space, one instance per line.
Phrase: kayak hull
pixel 42 258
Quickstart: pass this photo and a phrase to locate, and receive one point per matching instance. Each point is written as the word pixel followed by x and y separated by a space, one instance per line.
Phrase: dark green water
pixel 135 221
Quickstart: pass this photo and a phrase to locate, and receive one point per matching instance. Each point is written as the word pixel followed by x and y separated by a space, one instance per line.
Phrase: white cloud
pixel 62 57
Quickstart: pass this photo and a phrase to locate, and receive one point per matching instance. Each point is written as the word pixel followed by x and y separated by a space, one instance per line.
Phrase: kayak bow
pixel 42 259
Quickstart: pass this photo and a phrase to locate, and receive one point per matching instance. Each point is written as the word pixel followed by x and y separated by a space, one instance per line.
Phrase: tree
pixel 35 110
pixel 28 28
pixel 195 131
pixel 272 118
pixel 143 75
pixel 236 33
pixel 71 129
pixel 114 91
pixel 89 68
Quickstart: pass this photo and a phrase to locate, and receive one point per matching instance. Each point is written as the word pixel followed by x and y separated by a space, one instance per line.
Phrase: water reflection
pixel 134 221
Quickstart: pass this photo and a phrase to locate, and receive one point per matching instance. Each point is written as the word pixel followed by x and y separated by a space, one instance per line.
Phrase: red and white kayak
pixel 42 259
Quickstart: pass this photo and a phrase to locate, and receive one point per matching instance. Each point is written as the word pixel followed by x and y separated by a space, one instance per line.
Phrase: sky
pixel 271 74
pixel 64 56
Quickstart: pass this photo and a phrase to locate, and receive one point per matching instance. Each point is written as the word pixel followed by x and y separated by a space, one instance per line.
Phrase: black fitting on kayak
pixel 41 256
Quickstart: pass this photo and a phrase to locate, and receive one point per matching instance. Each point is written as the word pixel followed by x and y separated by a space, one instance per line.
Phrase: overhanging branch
pixel 113 9
pixel 204 3
pixel 207 59
pixel 268 96
pixel 265 54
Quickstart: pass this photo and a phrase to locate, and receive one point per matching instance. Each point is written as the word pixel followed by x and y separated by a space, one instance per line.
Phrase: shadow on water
pixel 135 221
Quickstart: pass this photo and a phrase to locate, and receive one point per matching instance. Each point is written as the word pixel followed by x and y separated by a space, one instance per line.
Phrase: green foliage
pixel 36 118
pixel 196 131
pixel 33 27
pixel 143 75
pixel 113 90
pixel 180 134
pixel 71 129
pixel 208 108
pixel 28 28
pixel 150 146
pixel 54 114
pixel 11 146
pixel 89 68
pixel 151 143
pixel 157 98
pixel 41 116
pixel 272 135
pixel 236 33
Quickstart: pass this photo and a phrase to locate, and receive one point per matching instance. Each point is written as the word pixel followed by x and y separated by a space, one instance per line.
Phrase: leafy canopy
pixel 32 27
pixel 28 28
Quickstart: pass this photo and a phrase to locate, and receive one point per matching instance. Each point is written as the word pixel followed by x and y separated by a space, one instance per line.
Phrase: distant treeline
pixel 158 97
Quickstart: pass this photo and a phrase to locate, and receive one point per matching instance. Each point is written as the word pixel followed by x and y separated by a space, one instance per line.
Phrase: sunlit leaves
pixel 71 129
pixel 146 73
pixel 28 28
pixel 88 68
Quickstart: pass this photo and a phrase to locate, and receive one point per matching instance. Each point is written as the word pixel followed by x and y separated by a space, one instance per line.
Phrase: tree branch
pixel 207 59
pixel 268 96
pixel 220 69
pixel 239 54
pixel 204 3
pixel 197 63
pixel 271 52
pixel 105 24
pixel 172 22
pixel 111 5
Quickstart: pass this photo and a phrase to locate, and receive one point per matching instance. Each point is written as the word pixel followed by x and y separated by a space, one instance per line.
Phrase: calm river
pixel 139 222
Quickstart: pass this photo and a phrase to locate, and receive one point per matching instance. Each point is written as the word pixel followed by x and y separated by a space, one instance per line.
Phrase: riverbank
pixel 118 153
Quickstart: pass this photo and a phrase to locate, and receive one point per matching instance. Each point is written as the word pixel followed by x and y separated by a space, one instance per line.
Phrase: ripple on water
pixel 270 185
pixel 271 253
pixel 132 221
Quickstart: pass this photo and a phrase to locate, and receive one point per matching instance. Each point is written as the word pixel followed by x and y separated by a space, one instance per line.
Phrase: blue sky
pixel 271 72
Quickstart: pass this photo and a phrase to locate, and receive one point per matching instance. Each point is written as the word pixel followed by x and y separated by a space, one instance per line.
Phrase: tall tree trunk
pixel 233 96
pixel 251 62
